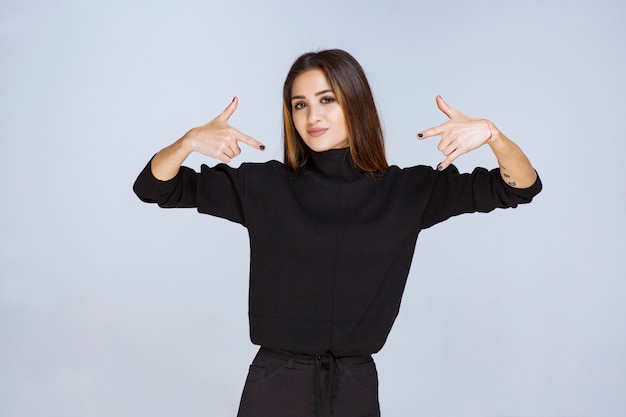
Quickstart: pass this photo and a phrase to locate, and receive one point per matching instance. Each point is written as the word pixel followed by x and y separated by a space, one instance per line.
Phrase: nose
pixel 315 114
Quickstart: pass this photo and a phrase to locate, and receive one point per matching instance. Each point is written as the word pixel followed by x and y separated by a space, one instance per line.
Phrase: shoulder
pixel 272 165
pixel 422 176
pixel 245 167
pixel 417 172
pixel 261 175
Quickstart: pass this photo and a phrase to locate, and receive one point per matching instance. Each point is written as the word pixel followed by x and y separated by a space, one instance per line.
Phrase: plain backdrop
pixel 111 307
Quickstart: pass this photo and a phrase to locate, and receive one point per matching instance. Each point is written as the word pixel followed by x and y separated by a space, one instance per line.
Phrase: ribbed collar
pixel 334 163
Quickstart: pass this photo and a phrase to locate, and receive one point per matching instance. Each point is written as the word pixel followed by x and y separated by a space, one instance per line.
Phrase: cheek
pixel 341 120
pixel 299 122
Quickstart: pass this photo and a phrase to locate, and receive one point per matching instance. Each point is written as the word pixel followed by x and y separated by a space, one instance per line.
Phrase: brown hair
pixel 347 79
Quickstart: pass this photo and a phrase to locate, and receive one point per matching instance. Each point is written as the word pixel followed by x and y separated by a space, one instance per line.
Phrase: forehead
pixel 309 83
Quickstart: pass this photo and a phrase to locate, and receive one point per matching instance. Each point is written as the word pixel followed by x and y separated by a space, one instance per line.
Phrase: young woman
pixel 332 229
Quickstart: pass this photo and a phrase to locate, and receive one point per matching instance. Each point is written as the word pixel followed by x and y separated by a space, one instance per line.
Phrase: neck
pixel 336 163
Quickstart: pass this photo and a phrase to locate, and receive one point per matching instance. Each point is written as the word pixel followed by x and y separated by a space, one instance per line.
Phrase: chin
pixel 317 147
pixel 321 147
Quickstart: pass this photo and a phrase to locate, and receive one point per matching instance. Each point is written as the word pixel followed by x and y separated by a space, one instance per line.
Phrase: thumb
pixel 229 110
pixel 443 106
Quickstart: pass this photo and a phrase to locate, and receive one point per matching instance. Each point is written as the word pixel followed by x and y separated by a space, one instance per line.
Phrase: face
pixel 317 115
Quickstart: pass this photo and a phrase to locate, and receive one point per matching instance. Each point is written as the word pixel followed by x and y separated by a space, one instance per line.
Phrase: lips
pixel 317 132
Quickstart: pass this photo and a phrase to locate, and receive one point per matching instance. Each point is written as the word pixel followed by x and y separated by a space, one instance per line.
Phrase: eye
pixel 326 100
pixel 298 105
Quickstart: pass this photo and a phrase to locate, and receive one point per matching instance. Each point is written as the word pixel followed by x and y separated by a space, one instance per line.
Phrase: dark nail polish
pixel 419 135
pixel 262 147
pixel 439 167
pixel 234 98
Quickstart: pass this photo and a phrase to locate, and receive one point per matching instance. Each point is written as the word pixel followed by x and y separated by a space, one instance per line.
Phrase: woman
pixel 332 229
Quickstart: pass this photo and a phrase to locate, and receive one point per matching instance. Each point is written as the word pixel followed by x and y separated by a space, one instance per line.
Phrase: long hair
pixel 348 81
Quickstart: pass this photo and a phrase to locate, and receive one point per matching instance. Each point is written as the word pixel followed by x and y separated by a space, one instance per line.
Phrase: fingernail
pixel 234 99
pixel 439 167
pixel 262 147
pixel 420 135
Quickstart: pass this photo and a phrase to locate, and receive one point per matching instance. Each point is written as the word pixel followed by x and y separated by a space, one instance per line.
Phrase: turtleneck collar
pixel 335 163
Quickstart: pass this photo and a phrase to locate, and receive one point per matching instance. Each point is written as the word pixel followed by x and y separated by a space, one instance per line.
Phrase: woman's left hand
pixel 459 135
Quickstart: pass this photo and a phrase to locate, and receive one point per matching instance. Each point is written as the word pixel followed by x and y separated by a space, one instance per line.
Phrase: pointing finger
pixel 249 140
pixel 433 131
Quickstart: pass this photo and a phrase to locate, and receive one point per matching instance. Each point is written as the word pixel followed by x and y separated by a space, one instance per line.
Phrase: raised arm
pixel 216 139
pixel 462 134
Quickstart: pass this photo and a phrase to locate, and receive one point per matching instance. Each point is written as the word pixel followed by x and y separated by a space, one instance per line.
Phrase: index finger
pixel 249 140
pixel 433 131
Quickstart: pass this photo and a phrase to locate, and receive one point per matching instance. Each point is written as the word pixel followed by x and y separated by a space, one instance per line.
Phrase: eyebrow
pixel 316 94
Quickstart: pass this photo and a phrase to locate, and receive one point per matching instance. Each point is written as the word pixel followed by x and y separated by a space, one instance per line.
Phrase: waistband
pixel 312 359
pixel 334 364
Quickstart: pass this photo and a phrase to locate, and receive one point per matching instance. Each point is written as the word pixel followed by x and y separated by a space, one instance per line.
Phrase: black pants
pixel 281 384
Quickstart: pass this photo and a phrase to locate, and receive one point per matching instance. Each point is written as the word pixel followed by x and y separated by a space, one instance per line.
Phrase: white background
pixel 111 307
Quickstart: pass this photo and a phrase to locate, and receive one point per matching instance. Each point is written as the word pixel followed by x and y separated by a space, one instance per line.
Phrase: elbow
pixel 526 195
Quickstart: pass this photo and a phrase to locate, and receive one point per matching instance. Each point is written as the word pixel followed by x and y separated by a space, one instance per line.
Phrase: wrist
pixel 495 135
pixel 187 142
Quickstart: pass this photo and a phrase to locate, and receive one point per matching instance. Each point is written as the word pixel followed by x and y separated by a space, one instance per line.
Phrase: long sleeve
pixel 481 191
pixel 330 248
pixel 217 191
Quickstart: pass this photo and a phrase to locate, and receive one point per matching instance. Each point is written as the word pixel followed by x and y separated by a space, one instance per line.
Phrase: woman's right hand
pixel 218 139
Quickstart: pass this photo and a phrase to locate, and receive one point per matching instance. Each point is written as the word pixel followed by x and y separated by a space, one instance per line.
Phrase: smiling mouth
pixel 316 132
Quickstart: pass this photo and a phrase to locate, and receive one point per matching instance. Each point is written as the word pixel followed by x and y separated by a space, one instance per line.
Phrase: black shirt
pixel 330 247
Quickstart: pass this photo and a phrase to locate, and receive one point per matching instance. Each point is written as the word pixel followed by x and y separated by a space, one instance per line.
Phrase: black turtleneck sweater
pixel 330 248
